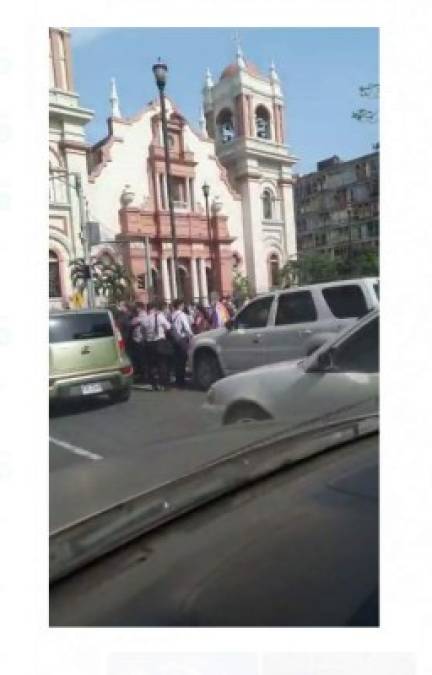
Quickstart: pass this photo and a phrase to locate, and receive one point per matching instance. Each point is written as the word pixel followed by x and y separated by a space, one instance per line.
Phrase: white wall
pixel 128 165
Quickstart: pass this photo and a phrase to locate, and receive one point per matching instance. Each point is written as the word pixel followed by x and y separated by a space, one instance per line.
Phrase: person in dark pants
pixel 158 348
pixel 137 342
pixel 181 334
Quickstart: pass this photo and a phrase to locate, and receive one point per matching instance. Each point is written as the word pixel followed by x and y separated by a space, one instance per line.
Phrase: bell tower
pixel 244 113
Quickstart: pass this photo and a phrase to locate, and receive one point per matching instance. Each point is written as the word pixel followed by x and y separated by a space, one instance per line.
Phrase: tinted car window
pixel 79 327
pixel 255 315
pixel 360 352
pixel 295 307
pixel 345 301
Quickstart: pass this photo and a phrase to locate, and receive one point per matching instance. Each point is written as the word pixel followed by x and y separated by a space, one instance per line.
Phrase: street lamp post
pixel 85 243
pixel 160 72
pixel 206 192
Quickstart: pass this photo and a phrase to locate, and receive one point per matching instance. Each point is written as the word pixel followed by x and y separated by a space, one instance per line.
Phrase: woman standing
pixel 201 321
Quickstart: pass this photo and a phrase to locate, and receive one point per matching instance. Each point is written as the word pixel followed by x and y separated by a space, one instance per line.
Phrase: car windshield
pixel 65 328
pixel 208 291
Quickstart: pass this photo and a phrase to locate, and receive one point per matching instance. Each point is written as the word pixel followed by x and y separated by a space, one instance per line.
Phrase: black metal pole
pixel 206 197
pixel 168 176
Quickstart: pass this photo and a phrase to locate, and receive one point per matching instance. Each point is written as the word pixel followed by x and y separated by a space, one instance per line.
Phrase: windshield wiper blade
pixel 83 542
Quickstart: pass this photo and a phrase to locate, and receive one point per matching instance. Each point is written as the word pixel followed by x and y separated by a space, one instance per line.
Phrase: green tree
pixel 241 287
pixel 309 269
pixel 111 279
pixel 371 92
pixel 318 267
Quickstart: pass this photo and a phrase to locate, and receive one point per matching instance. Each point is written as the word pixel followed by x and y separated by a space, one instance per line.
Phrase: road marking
pixel 75 449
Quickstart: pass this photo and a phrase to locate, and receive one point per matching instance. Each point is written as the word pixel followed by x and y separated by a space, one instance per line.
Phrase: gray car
pixel 280 326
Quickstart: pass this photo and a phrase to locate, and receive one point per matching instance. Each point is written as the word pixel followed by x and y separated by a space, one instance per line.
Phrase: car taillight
pixel 127 370
pixel 120 341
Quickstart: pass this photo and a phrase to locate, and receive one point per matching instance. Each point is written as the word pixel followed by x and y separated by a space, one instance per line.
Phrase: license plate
pixel 93 388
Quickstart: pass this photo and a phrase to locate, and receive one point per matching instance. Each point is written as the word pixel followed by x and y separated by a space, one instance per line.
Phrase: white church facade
pixel 67 163
pixel 239 151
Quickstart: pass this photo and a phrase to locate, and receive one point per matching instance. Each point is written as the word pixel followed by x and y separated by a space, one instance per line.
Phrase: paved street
pixel 124 430
pixel 102 453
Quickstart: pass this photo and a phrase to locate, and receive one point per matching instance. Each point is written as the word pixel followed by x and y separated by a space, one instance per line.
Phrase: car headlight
pixel 211 396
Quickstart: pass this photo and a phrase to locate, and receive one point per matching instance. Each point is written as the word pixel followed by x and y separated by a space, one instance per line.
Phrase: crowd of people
pixel 157 336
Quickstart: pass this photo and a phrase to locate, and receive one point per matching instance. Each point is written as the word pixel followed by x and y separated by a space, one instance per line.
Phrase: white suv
pixel 280 326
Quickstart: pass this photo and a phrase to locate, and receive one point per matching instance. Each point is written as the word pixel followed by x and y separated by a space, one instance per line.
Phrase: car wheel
pixel 206 370
pixel 120 396
pixel 245 412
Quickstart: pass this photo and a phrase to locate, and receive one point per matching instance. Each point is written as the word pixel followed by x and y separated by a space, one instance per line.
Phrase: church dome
pixel 233 69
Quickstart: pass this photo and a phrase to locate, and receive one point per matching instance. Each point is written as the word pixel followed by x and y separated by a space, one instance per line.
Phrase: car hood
pixel 283 372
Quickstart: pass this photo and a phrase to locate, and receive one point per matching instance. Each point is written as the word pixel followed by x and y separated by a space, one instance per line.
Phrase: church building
pixel 239 152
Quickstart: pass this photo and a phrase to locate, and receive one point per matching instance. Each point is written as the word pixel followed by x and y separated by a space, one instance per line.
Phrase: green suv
pixel 87 356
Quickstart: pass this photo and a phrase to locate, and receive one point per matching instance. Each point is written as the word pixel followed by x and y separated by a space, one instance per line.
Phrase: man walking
pixel 182 333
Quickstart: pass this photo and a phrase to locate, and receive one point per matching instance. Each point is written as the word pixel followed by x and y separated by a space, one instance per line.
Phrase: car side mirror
pixel 324 362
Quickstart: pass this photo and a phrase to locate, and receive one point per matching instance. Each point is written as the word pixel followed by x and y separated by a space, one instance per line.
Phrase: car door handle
pixel 256 339
pixel 306 331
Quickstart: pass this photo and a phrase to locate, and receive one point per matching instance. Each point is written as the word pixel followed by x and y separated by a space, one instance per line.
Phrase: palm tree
pixel 78 276
pixel 111 279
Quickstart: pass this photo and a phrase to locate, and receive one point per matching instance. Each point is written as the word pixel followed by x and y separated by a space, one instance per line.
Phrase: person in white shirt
pixel 158 348
pixel 137 341
pixel 182 333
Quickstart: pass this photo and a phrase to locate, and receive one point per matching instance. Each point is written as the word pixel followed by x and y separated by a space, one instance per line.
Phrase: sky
pixel 320 70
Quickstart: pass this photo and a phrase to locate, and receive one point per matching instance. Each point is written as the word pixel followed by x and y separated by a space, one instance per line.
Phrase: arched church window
pixel 262 122
pixel 54 275
pixel 225 125
pixel 267 198
pixel 106 259
pixel 274 270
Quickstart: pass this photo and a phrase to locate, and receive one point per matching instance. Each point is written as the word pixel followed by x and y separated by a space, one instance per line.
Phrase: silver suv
pixel 280 326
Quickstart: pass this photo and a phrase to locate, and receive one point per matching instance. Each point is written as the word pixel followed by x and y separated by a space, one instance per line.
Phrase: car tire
pixel 206 370
pixel 245 412
pixel 120 396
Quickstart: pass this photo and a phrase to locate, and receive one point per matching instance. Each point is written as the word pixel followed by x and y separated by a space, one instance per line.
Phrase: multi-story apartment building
pixel 337 206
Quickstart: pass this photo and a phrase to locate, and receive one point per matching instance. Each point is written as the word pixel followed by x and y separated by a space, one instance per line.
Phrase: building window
pixel 225 126
pixel 262 122
pixel 178 191
pixel 267 198
pixel 372 229
pixel 274 270
pixel 54 275
pixel 106 259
